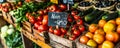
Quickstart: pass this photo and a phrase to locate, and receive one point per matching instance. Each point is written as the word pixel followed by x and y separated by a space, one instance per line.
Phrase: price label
pixel 57 18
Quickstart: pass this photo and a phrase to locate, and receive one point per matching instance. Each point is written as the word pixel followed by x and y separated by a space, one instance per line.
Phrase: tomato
pixel 5 9
pixel 69 18
pixel 80 22
pixel 58 10
pixel 32 21
pixel 74 27
pixel 36 25
pixel 43 28
pixel 41 12
pixel 76 17
pixel 76 32
pixel 27 14
pixel 27 0
pixel 45 20
pixel 63 7
pixel 53 8
pixel 81 28
pixel 73 37
pixel 57 32
pixel 62 35
pixel 51 30
pixel 39 18
pixel 63 30
pixel 45 11
pixel 73 13
pixel 0 6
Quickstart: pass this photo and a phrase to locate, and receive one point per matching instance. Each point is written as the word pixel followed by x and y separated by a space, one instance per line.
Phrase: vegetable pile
pixel 12 37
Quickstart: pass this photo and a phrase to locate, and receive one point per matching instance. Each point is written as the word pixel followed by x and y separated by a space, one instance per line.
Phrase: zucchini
pixel 100 17
pixel 92 16
pixel 110 16
pixel 83 13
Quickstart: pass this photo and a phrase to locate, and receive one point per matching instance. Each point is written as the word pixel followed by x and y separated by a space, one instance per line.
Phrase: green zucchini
pixel 92 16
pixel 110 16
pixel 83 13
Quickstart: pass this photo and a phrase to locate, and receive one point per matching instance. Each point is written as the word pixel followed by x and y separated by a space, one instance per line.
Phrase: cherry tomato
pixel 76 32
pixel 36 25
pixel 76 17
pixel 74 27
pixel 63 7
pixel 43 28
pixel 62 35
pixel 27 0
pixel 39 18
pixel 58 10
pixel 63 30
pixel 73 13
pixel 19 3
pixel 80 22
pixel 51 29
pixel 57 32
pixel 53 8
pixel 0 6
pixel 41 12
pixel 81 28
pixel 45 20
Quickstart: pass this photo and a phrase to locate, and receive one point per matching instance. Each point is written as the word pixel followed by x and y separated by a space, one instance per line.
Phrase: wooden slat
pixel 40 43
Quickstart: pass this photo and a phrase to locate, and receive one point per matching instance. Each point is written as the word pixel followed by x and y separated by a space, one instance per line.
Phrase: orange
pixel 100 31
pixel 98 38
pixel 83 39
pixel 118 21
pixel 112 21
pixel 93 28
pixel 108 27
pixel 89 34
pixel 101 23
pixel 107 44
pixel 92 43
pixel 112 36
pixel 118 29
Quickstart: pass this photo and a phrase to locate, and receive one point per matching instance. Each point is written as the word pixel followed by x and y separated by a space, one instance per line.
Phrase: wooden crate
pixel 61 40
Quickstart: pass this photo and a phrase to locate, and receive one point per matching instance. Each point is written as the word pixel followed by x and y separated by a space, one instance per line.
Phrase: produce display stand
pixel 45 39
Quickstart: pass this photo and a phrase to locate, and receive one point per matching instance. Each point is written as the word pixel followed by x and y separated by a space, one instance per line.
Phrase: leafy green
pixel 20 13
pixel 14 40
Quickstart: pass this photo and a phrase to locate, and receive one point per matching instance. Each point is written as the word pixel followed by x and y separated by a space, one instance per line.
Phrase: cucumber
pixel 83 13
pixel 92 16
pixel 110 16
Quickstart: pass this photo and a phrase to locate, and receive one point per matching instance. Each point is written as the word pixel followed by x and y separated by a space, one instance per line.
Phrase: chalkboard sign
pixel 57 19
pixel 1 1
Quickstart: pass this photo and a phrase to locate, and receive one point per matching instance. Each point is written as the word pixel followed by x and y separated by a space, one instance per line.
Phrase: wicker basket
pixel 105 8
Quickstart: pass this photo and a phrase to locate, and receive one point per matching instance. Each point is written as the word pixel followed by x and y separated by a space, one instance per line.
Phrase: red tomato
pixel 81 28
pixel 5 9
pixel 27 0
pixel 0 6
pixel 80 22
pixel 27 14
pixel 43 28
pixel 69 19
pixel 45 11
pixel 32 21
pixel 41 12
pixel 45 20
pixel 51 30
pixel 73 37
pixel 76 32
pixel 62 35
pixel 76 17
pixel 19 3
pixel 57 32
pixel 58 10
pixel 36 25
pixel 63 7
pixel 73 13
pixel 39 18
pixel 63 30
pixel 74 27
pixel 53 8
